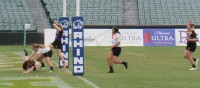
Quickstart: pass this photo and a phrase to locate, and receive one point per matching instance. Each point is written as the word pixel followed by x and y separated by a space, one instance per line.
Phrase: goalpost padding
pixel 78 45
pixel 64 21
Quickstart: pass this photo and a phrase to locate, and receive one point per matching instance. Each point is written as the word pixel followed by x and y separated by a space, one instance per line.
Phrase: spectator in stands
pixel 113 55
pixel 57 42
pixel 191 46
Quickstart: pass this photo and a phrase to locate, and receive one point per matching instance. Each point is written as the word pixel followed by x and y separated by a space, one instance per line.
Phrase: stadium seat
pixel 13 13
pixel 185 10
pixel 90 9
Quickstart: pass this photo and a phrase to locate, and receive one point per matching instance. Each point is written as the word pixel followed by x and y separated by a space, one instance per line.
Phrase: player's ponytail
pixel 41 46
pixel 116 30
pixel 57 26
pixel 60 26
pixel 191 25
pixel 35 45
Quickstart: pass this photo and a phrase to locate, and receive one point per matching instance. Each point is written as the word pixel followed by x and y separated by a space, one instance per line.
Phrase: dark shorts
pixel 116 51
pixel 56 44
pixel 191 48
pixel 48 54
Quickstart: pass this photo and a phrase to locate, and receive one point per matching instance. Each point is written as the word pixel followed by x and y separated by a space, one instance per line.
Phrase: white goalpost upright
pixel 78 42
pixel 77 39
pixel 78 7
pixel 64 8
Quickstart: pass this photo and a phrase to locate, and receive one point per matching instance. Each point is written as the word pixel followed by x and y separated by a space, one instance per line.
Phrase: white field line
pixel 80 77
pixel 6 69
pixel 141 55
pixel 54 81
pixel 107 48
pixel 6 65
pixel 2 55
pixel 11 62
pixel 6 84
pixel 4 60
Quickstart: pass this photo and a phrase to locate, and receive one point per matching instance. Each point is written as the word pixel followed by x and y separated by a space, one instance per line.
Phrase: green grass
pixel 149 67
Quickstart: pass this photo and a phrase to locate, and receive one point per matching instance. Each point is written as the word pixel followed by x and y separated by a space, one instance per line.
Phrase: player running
pixel 57 42
pixel 191 46
pixel 113 55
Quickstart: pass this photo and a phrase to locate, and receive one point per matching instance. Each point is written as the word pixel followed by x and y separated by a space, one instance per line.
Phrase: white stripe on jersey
pixel 42 50
pixel 114 39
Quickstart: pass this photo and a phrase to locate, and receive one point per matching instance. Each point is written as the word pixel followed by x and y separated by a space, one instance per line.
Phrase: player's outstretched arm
pixel 57 26
pixel 29 70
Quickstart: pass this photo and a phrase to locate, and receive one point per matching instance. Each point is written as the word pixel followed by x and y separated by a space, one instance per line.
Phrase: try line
pixel 80 77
